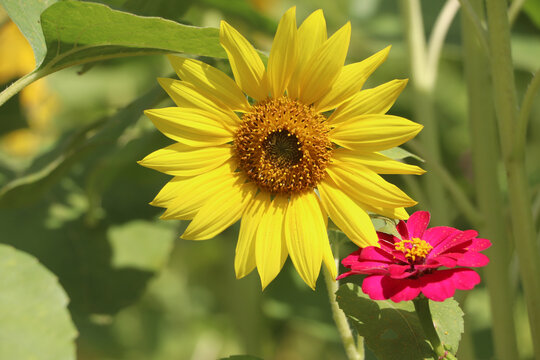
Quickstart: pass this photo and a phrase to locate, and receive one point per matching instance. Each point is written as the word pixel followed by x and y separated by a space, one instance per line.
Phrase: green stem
pixel 514 10
pixel 518 188
pixel 438 35
pixel 423 83
pixel 338 315
pixel 485 156
pixel 525 111
pixel 477 25
pixel 20 84
pixel 421 305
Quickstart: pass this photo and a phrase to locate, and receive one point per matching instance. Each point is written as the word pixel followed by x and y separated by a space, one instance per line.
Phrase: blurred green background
pixel 136 290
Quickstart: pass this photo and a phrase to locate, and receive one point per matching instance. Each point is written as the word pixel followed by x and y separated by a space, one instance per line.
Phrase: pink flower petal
pixel 417 224
pixel 446 261
pixel 473 259
pixel 380 287
pixel 461 238
pixel 402 229
pixel 479 244
pixel 400 271
pixel 344 275
pixel 442 284
pixel 435 235
pixel 387 241
pixel 351 259
pixel 372 253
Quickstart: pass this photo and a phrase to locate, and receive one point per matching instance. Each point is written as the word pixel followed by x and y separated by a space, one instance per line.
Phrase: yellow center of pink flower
pixel 414 248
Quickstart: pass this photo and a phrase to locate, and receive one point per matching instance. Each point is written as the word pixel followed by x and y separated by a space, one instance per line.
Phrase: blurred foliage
pixel 78 201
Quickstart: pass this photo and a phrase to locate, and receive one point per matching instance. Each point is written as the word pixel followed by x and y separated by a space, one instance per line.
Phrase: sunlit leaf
pixel 78 32
pixel 35 323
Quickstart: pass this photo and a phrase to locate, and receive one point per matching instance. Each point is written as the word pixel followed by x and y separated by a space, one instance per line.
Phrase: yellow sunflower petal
pixel 371 101
pixel 284 53
pixel 329 261
pixel 377 162
pixel 270 248
pixel 182 160
pixel 246 64
pixel 185 95
pixel 324 66
pixel 374 132
pixel 366 186
pixel 210 82
pixel 311 35
pixel 173 189
pixel 347 214
pixel 184 197
pixel 224 209
pixel 350 81
pixel 305 234
pixel 244 260
pixel 190 126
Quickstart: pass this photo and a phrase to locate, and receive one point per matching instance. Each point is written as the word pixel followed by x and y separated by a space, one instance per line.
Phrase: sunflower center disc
pixel 283 146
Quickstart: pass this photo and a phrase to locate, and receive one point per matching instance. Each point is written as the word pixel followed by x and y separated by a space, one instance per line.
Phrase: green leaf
pixel 26 14
pixel 79 32
pixel 163 8
pixel 387 326
pixel 35 323
pixel 398 153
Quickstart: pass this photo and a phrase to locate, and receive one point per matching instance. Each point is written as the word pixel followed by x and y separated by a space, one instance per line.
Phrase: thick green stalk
pixel 423 83
pixel 518 188
pixel 421 305
pixel 353 352
pixel 485 153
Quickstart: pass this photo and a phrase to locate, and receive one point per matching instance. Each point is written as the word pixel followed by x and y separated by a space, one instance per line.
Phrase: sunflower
pixel 301 146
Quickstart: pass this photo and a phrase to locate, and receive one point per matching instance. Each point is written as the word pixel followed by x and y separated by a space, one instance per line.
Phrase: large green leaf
pixel 35 323
pixel 392 330
pixel 73 32
pixel 26 15
pixel 79 32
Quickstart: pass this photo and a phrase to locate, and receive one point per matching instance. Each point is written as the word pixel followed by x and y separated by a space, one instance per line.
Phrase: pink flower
pixel 402 268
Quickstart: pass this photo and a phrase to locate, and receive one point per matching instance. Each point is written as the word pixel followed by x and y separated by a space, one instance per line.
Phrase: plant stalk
pixel 486 155
pixel 423 83
pixel 421 305
pixel 518 188
pixel 20 84
pixel 338 315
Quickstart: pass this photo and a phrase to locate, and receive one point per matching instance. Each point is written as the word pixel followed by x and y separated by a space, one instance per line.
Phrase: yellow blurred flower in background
pixel 37 102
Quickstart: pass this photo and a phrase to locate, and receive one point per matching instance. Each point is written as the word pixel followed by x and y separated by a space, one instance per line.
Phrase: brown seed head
pixel 283 146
